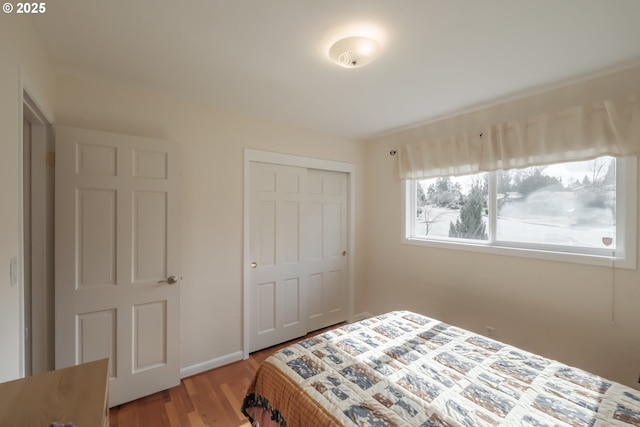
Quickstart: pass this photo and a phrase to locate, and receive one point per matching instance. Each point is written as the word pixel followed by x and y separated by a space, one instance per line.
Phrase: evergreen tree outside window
pixel 470 224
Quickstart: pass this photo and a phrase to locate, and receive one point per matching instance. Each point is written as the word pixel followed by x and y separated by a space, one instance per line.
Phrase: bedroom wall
pixel 212 145
pixel 556 309
pixel 20 53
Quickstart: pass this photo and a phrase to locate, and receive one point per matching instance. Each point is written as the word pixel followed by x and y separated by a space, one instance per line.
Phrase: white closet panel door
pixel 277 300
pixel 326 248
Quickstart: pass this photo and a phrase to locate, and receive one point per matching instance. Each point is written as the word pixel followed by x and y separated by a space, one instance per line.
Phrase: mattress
pixel 406 369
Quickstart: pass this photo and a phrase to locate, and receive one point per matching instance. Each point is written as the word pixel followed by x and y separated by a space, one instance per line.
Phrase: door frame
pixel 38 111
pixel 253 155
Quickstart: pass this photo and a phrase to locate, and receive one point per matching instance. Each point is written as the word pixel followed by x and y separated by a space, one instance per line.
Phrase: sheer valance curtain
pixel 610 127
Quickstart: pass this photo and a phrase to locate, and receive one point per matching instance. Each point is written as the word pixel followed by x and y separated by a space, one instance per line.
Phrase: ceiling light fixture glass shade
pixel 354 52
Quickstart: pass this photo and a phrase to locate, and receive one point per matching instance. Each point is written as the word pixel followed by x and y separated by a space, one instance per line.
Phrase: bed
pixel 405 369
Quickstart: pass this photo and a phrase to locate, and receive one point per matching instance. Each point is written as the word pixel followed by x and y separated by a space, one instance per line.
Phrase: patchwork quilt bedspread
pixel 405 369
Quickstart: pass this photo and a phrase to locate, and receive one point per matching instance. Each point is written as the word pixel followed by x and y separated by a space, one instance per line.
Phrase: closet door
pixel 298 242
pixel 326 248
pixel 277 283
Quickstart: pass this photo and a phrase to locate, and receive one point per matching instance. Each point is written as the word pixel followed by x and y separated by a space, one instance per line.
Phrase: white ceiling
pixel 268 58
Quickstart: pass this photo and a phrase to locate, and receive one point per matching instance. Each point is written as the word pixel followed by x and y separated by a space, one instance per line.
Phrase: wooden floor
pixel 209 399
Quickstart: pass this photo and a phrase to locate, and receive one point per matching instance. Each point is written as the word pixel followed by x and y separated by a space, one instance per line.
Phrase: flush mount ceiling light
pixel 354 52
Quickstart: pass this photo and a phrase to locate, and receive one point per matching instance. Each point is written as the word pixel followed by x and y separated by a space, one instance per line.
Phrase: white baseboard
pixel 362 316
pixel 210 364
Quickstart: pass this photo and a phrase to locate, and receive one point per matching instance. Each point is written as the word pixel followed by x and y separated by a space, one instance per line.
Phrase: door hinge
pixel 51 158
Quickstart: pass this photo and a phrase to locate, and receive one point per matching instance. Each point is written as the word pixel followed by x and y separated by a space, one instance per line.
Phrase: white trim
pixel 252 155
pixel 25 86
pixel 208 365
pixel 21 314
pixel 38 103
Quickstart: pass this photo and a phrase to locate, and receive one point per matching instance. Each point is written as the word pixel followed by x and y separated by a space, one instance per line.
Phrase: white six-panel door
pixel 277 283
pixel 297 248
pixel 117 242
pixel 326 241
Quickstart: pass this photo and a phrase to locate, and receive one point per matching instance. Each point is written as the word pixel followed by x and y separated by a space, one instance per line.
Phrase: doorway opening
pixel 37 237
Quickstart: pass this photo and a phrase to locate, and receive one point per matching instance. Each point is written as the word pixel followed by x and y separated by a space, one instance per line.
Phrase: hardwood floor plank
pixel 177 403
pixel 189 387
pixel 172 414
pixel 209 399
pixel 205 403
pixel 184 398
pixel 196 421
pixel 232 398
pixel 230 404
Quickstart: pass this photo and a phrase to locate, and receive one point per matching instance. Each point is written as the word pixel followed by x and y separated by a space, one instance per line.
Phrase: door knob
pixel 172 280
pixel 254 264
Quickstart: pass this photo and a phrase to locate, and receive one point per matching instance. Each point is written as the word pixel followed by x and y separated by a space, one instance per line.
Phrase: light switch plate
pixel 13 270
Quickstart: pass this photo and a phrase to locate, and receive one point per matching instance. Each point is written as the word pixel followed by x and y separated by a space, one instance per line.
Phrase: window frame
pixel 624 256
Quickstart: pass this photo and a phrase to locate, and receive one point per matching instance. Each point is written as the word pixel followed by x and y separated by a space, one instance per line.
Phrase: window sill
pixel 542 254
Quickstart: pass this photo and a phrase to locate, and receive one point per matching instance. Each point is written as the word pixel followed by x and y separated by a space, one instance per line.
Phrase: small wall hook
pixel 393 152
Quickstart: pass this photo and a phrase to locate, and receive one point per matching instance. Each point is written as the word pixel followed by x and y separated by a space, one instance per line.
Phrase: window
pixel 585 210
